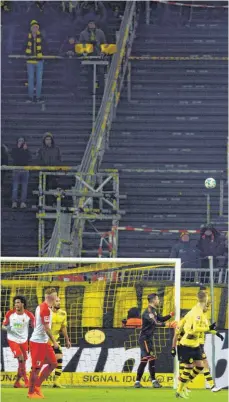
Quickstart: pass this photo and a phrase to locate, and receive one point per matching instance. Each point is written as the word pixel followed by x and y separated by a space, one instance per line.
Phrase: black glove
pixel 220 336
pixel 212 326
pixel 173 352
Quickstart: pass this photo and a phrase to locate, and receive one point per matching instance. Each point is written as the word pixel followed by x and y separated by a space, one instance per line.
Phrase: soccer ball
pixel 210 183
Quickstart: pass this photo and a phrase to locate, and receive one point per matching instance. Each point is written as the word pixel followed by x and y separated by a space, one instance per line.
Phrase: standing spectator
pixel 211 243
pixel 70 66
pixel 189 254
pixel 49 155
pixel 21 157
pixel 96 37
pixel 93 35
pixel 34 65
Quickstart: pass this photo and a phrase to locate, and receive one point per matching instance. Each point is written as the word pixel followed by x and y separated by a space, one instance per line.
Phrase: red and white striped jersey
pixel 43 315
pixel 19 325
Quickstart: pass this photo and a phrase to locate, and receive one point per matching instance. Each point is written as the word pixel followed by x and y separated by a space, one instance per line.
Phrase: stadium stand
pixel 175 120
pixel 67 116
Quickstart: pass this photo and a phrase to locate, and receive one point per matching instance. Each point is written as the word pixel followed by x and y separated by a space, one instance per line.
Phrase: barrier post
pixel 221 196
pixel 212 313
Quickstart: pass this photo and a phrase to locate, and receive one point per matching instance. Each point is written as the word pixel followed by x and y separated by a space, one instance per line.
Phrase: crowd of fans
pixel 90 17
pixel 195 254
pixel 47 155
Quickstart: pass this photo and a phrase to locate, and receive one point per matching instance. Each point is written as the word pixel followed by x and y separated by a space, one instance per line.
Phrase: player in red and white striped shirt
pixel 16 323
pixel 41 351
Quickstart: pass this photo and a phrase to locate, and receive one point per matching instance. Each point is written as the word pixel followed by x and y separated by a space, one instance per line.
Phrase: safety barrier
pixel 185 4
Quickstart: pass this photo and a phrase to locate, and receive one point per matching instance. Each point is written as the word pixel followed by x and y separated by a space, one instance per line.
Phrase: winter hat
pixel 47 134
pixel 33 22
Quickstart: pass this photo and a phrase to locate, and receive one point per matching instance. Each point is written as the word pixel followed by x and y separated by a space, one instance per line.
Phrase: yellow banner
pixel 107 379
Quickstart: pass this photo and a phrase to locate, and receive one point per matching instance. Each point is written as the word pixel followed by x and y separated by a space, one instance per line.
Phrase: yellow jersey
pixel 59 321
pixel 180 330
pixel 196 323
pixel 202 334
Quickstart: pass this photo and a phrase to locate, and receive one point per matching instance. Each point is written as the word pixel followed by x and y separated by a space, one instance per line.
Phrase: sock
pixel 195 372
pixel 23 370
pixel 181 368
pixel 152 369
pixel 141 369
pixel 209 378
pixel 184 378
pixel 44 374
pixel 32 379
pixel 19 375
pixel 58 370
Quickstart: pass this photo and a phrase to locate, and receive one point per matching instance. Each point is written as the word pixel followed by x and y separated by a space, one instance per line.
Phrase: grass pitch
pixel 112 395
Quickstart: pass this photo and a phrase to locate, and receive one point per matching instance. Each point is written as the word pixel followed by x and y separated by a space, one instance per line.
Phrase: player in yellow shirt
pixel 206 371
pixel 59 324
pixel 190 352
pixel 178 334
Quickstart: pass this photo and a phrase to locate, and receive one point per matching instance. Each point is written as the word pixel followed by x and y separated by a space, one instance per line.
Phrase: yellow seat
pixel 109 48
pixel 84 48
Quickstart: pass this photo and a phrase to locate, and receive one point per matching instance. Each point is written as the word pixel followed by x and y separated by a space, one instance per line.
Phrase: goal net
pixel 97 295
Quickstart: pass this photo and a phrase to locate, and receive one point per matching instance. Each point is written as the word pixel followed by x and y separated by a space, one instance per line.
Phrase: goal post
pixel 97 295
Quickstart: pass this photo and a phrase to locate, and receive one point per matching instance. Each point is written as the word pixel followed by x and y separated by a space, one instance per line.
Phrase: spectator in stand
pixel 133 319
pixel 34 48
pixel 68 47
pixel 211 243
pixel 118 8
pixel 49 155
pixel 20 157
pixel 96 37
pixel 93 35
pixel 70 69
pixel 40 5
pixel 186 251
pixel 4 161
pixel 91 11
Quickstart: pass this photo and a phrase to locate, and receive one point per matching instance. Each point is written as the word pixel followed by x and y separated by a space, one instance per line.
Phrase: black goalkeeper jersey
pixel 151 319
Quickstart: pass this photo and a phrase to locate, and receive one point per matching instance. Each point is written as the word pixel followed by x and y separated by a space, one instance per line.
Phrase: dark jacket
pixel 189 254
pixel 211 245
pixel 20 156
pixel 49 156
pixel 97 37
pixel 151 319
pixel 67 47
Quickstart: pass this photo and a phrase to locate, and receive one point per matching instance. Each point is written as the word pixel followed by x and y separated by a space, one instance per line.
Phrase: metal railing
pixel 114 82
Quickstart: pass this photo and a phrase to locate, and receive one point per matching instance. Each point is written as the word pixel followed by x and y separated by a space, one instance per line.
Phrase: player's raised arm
pixel 151 316
pixel 165 318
